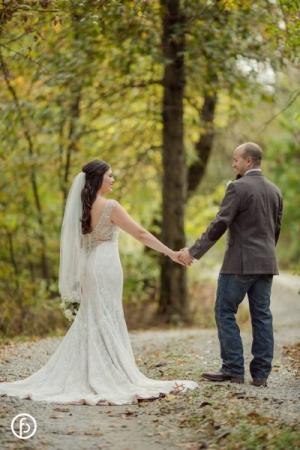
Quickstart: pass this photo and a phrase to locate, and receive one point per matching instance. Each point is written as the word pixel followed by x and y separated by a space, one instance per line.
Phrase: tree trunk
pixel 75 92
pixel 173 306
pixel 72 146
pixel 205 143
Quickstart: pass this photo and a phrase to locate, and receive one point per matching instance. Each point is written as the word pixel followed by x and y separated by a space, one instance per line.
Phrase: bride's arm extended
pixel 121 218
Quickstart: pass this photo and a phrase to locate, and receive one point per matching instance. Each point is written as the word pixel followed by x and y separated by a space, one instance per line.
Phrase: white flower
pixel 69 314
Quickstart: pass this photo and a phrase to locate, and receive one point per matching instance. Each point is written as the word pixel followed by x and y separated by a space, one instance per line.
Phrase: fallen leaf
pixel 170 397
pixel 204 404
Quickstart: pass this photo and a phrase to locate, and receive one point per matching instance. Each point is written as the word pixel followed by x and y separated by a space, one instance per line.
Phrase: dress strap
pixel 111 203
pixel 106 213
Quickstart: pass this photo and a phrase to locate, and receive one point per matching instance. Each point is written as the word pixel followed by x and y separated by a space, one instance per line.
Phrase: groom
pixel 251 209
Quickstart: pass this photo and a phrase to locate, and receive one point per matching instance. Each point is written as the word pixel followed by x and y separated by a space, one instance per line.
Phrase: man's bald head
pixel 252 151
pixel 246 156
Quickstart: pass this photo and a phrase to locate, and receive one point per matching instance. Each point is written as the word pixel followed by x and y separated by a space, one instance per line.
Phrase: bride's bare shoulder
pixel 119 214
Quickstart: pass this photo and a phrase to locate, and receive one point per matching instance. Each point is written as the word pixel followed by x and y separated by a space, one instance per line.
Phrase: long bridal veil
pixel 72 251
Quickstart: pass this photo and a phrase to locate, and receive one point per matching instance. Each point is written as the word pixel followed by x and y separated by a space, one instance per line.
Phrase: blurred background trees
pixel 162 90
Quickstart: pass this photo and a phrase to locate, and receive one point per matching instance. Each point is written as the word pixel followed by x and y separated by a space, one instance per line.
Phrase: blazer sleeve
pixel 279 219
pixel 229 208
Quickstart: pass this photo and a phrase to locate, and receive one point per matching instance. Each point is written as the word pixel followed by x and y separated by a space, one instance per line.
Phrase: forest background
pixel 163 91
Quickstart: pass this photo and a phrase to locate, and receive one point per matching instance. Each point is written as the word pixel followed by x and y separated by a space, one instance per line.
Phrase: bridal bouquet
pixel 70 308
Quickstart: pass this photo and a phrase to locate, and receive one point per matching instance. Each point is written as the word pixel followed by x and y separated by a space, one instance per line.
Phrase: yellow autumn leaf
pixel 170 397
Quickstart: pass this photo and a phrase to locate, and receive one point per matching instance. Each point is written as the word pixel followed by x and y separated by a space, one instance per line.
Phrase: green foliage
pixel 26 308
pixel 141 275
pixel 283 163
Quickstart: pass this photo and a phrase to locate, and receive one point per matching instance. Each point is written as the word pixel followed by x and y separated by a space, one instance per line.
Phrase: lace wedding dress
pixel 94 364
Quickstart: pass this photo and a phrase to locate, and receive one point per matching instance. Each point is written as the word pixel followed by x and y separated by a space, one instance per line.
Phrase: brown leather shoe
pixel 259 382
pixel 220 376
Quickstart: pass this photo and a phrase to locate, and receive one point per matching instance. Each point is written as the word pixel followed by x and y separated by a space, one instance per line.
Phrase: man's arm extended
pixel 228 210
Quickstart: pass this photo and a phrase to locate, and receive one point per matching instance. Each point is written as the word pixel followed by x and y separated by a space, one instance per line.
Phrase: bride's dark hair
pixel 94 172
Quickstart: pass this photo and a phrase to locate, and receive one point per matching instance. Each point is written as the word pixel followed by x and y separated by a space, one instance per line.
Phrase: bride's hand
pixel 175 256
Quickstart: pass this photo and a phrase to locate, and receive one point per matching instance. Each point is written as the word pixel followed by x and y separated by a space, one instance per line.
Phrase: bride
pixel 94 363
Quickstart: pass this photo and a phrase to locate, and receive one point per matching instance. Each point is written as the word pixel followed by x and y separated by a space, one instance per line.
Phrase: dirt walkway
pixel 215 416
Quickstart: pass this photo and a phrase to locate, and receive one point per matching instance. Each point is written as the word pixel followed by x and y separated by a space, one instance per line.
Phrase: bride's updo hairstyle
pixel 94 172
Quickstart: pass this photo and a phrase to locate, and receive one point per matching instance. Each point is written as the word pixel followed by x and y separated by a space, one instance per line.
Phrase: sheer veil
pixel 72 251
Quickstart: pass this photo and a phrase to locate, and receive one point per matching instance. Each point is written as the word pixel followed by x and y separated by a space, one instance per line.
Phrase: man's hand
pixel 185 256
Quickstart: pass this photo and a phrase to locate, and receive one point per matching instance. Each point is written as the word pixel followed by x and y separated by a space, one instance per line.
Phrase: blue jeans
pixel 230 293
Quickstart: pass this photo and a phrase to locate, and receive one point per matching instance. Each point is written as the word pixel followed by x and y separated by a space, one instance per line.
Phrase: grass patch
pixel 216 422
pixel 222 417
pixel 250 437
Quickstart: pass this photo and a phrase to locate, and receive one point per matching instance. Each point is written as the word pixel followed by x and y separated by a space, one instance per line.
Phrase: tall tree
pixel 173 296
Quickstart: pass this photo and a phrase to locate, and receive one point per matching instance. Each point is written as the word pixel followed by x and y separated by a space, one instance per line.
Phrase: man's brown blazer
pixel 252 210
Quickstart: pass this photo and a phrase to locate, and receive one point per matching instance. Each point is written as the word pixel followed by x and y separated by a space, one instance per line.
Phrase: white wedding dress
pixel 94 364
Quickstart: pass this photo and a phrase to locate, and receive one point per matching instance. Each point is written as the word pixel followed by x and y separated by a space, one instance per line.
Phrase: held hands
pixel 185 257
pixel 176 257
pixel 182 257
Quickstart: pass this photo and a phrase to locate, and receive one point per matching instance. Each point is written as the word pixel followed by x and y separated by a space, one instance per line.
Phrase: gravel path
pixel 171 422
